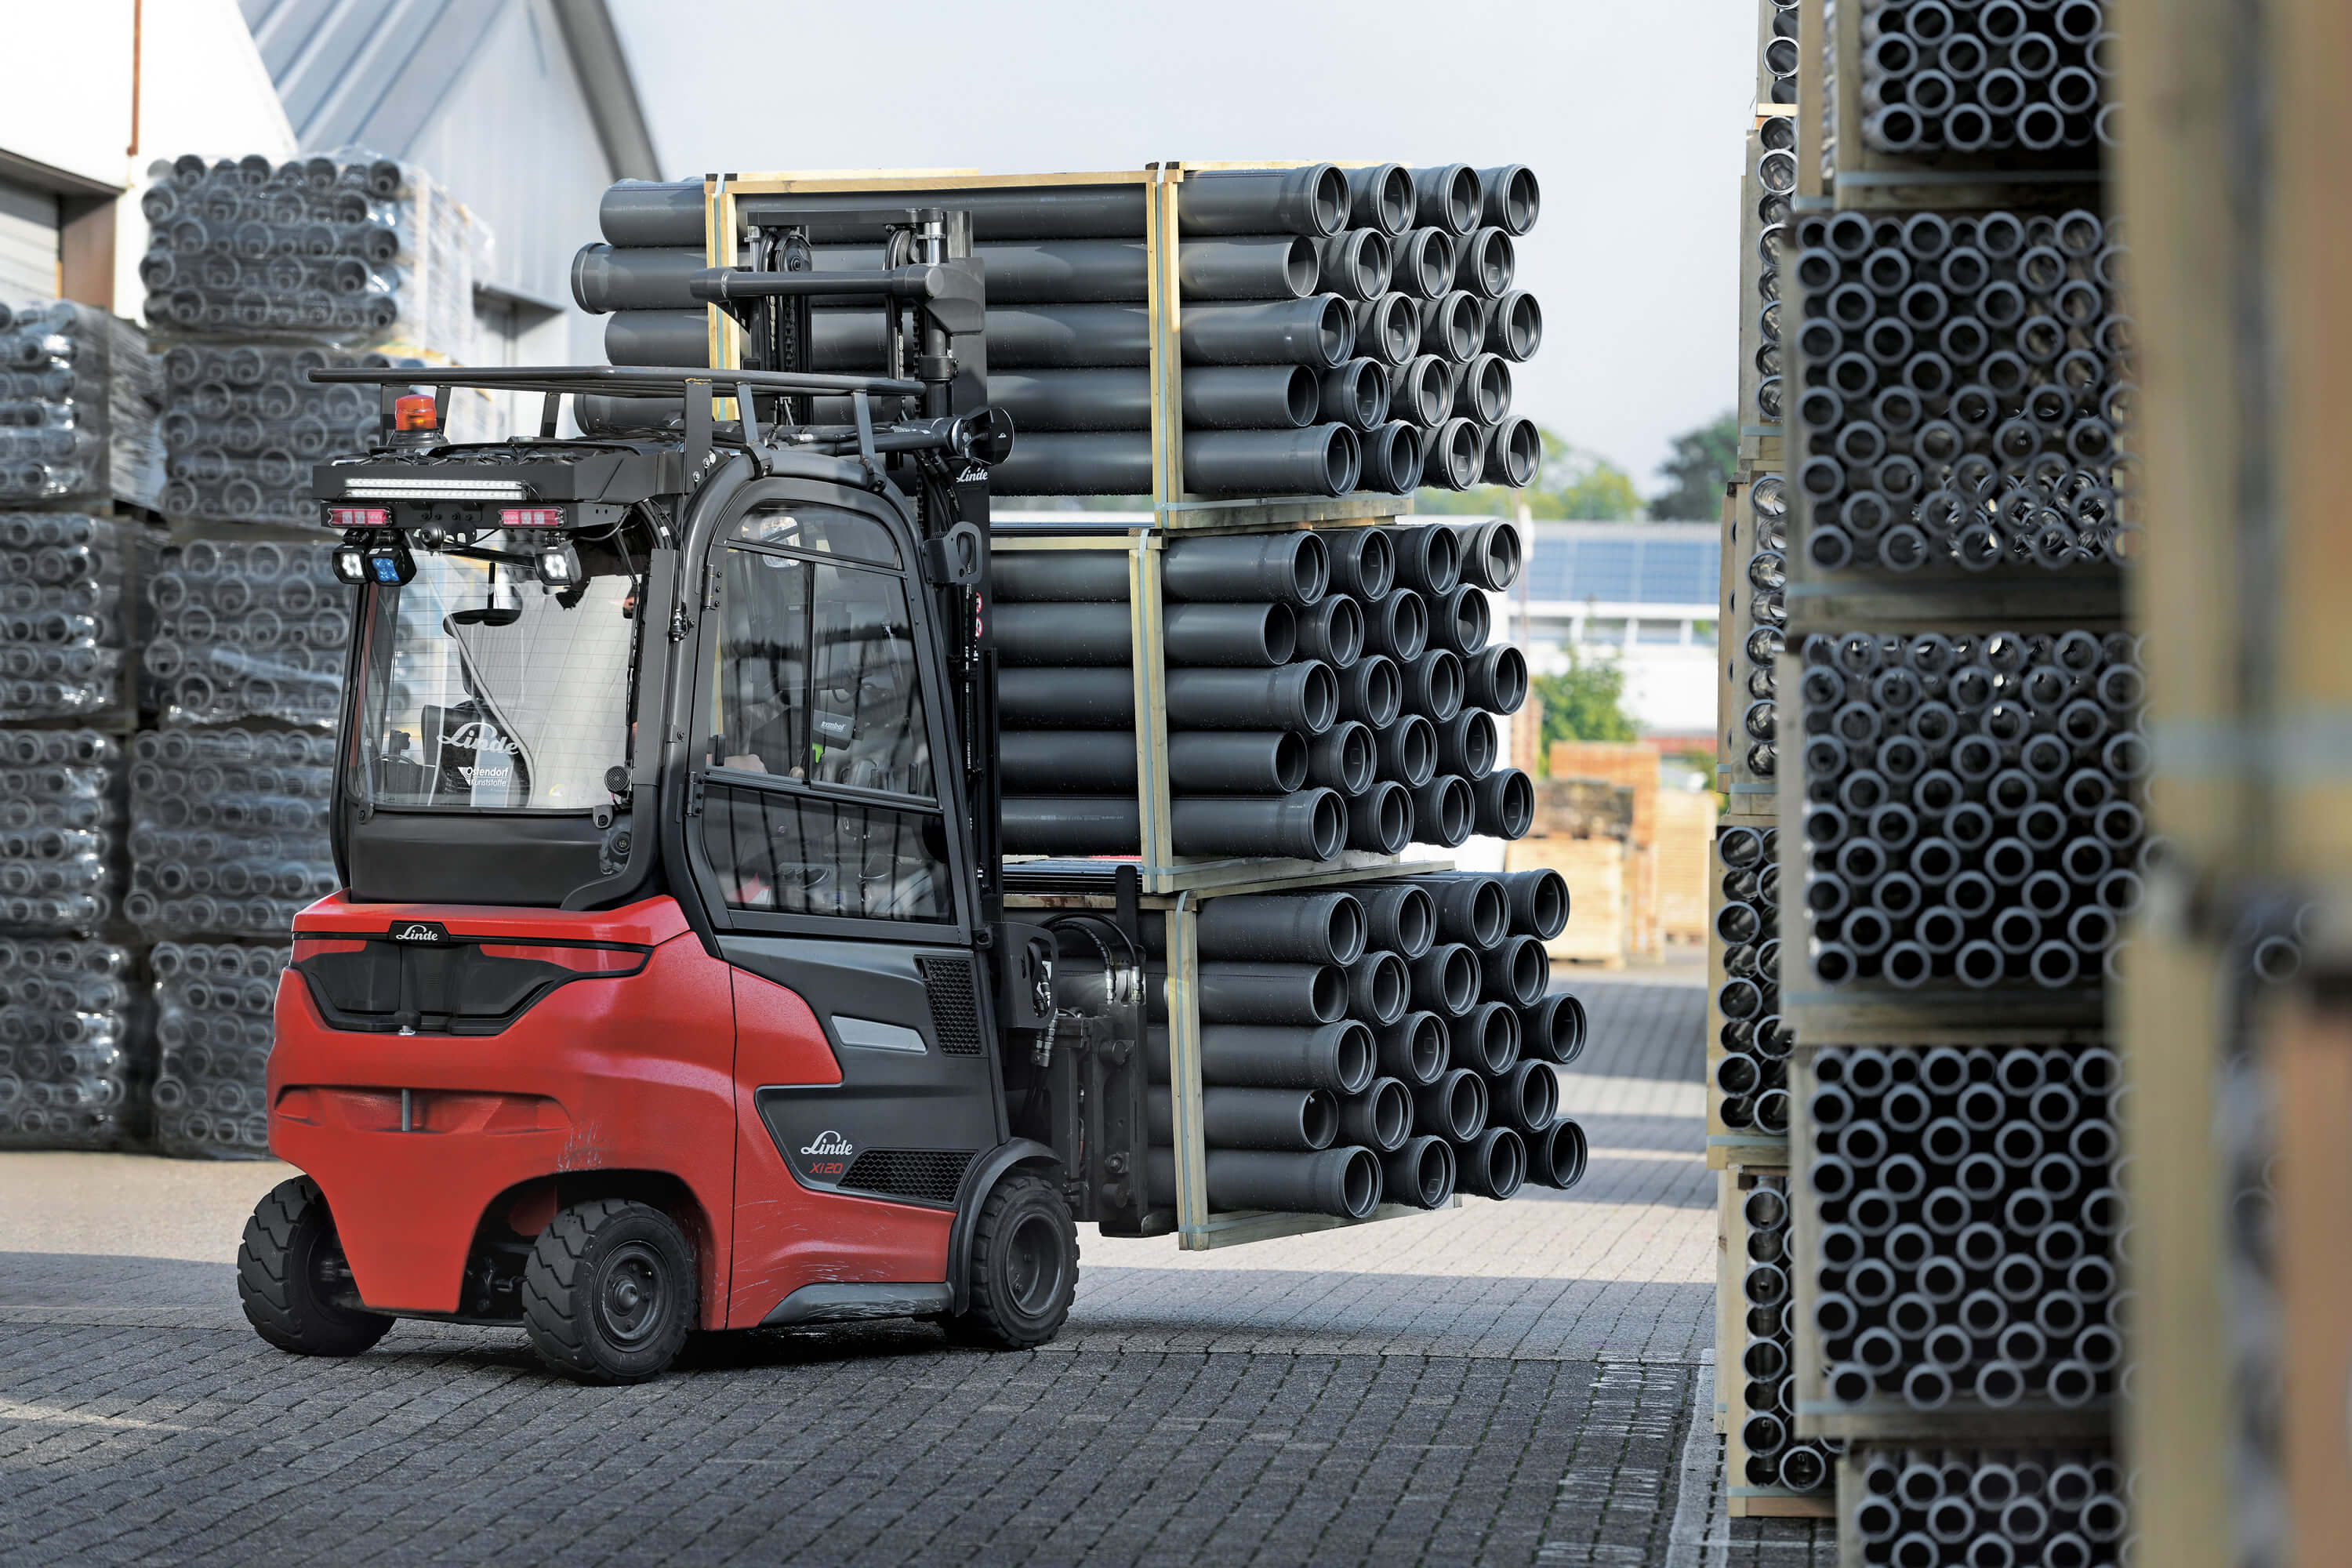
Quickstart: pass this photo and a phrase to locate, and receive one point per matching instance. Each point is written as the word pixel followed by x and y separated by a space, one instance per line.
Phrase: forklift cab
pixel 669 988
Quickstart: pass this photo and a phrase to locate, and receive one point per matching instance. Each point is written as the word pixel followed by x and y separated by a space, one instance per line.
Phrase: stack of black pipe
pixel 1766 1358
pixel 1390 1041
pixel 1342 329
pixel 1327 689
pixel 1752 1075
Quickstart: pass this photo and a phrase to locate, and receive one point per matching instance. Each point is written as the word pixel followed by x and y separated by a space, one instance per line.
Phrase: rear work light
pixel 530 517
pixel 381 558
pixel 435 490
pixel 358 516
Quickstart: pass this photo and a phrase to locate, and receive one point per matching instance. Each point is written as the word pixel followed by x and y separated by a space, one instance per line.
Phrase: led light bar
pixel 436 490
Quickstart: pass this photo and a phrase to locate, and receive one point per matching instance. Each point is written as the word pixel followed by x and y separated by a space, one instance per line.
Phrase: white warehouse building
pixel 1642 594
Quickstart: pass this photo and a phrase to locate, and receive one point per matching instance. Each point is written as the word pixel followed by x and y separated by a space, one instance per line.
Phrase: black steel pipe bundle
pixel 2003 76
pixel 1331 272
pixel 1767 1365
pixel 2003 1505
pixel 1751 1078
pixel 1969 1214
pixel 1973 806
pixel 1964 387
pixel 1346 1181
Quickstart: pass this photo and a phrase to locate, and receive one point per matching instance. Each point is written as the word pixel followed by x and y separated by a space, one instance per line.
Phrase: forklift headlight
pixel 558 565
pixel 351 565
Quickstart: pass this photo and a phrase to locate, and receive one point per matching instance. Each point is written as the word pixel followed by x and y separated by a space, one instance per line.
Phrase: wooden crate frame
pixel 1172 506
pixel 1742 1501
pixel 1162 870
pixel 1886 182
pixel 1200 1229
pixel 1881 1417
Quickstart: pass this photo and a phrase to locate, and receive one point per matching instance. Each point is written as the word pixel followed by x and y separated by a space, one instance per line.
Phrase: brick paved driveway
pixel 1509 1383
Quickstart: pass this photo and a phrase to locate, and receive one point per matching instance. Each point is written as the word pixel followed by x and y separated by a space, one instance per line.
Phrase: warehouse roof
pixel 370 73
pixel 1626 563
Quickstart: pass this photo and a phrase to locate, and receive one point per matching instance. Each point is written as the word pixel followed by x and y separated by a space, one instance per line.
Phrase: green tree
pixel 1700 466
pixel 1586 703
pixel 1572 485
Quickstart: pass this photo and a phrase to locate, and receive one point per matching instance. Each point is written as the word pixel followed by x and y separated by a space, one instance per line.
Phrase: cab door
pixel 823 834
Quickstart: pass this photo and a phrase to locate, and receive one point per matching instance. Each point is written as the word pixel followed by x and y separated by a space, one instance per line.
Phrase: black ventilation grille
pixel 924 1176
pixel 953 1017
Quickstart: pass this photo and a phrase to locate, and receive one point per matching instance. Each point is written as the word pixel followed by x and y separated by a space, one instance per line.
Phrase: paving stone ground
pixel 1507 1383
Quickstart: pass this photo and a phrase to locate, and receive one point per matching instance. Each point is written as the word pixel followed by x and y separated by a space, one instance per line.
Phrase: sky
pixel 1631 112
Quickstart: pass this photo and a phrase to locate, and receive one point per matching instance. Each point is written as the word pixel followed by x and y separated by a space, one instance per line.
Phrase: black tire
pixel 1024 1266
pixel 609 1293
pixel 288 1267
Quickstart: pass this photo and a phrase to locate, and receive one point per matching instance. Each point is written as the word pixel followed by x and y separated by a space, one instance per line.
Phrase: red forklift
pixel 670 988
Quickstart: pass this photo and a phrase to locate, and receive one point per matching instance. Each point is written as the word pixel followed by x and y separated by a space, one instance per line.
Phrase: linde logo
pixel 477 737
pixel 418 930
pixel 828 1143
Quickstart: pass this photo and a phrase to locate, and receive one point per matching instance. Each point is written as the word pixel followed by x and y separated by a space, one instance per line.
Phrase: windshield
pixel 489 690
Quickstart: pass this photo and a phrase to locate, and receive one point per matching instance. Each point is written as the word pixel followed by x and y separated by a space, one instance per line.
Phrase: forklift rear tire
pixel 283 1270
pixel 609 1292
pixel 1024 1266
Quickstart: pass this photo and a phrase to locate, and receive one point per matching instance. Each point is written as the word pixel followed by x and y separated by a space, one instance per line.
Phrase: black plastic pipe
pixel 1422 263
pixel 1363 561
pixel 1293 567
pixel 1538 902
pixel 1408 751
pixel 1343 1182
pixel 1312 200
pixel 1378 987
pixel 1310 928
pixel 1553 1029
pixel 1234 635
pixel 1445 980
pixel 1301 697
pixel 1416 1048
pixel 1490 554
pixel 1332 630
pixel 1200 762
pixel 1233 991
pixel 1503 805
pixel 1483 391
pixel 1309 825
pixel 1387 329
pixel 1323 460
pixel 1379 1118
pixel 1484 263
pixel 1454 1108
pixel 1473 907
pixel 1515 326
pixel 1518 970
pixel 1487 1037
pixel 1059 576
pixel 1528 1098
pixel 1216 397
pixel 1402 917
pixel 1448 197
pixel 1301 1120
pixel 1380 819
pixel 1392 458
pixel 1513 453
pixel 1420 390
pixel 1453 455
pixel 1466 744
pixel 1450 327
pixel 1428 558
pixel 1343 759
pixel 1372 693
pixel 1421 1175
pixel 1357 394
pixel 1381 196
pixel 1337 1056
pixel 1432 685
pixel 1355 263
pixel 1556 1157
pixel 1492 1165
pixel 1460 621
pixel 1509 197
pixel 1319 331
pixel 1397 627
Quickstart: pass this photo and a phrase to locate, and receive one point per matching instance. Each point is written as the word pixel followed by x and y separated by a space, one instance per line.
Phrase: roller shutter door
pixel 29 244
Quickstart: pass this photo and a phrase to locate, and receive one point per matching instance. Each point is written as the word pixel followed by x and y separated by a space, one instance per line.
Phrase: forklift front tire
pixel 1024 1266
pixel 609 1292
pixel 288 1270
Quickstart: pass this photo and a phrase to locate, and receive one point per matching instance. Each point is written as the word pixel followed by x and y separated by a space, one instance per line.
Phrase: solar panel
pixel 1631 563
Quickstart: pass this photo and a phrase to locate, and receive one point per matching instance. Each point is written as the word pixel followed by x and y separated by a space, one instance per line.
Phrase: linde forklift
pixel 671 988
